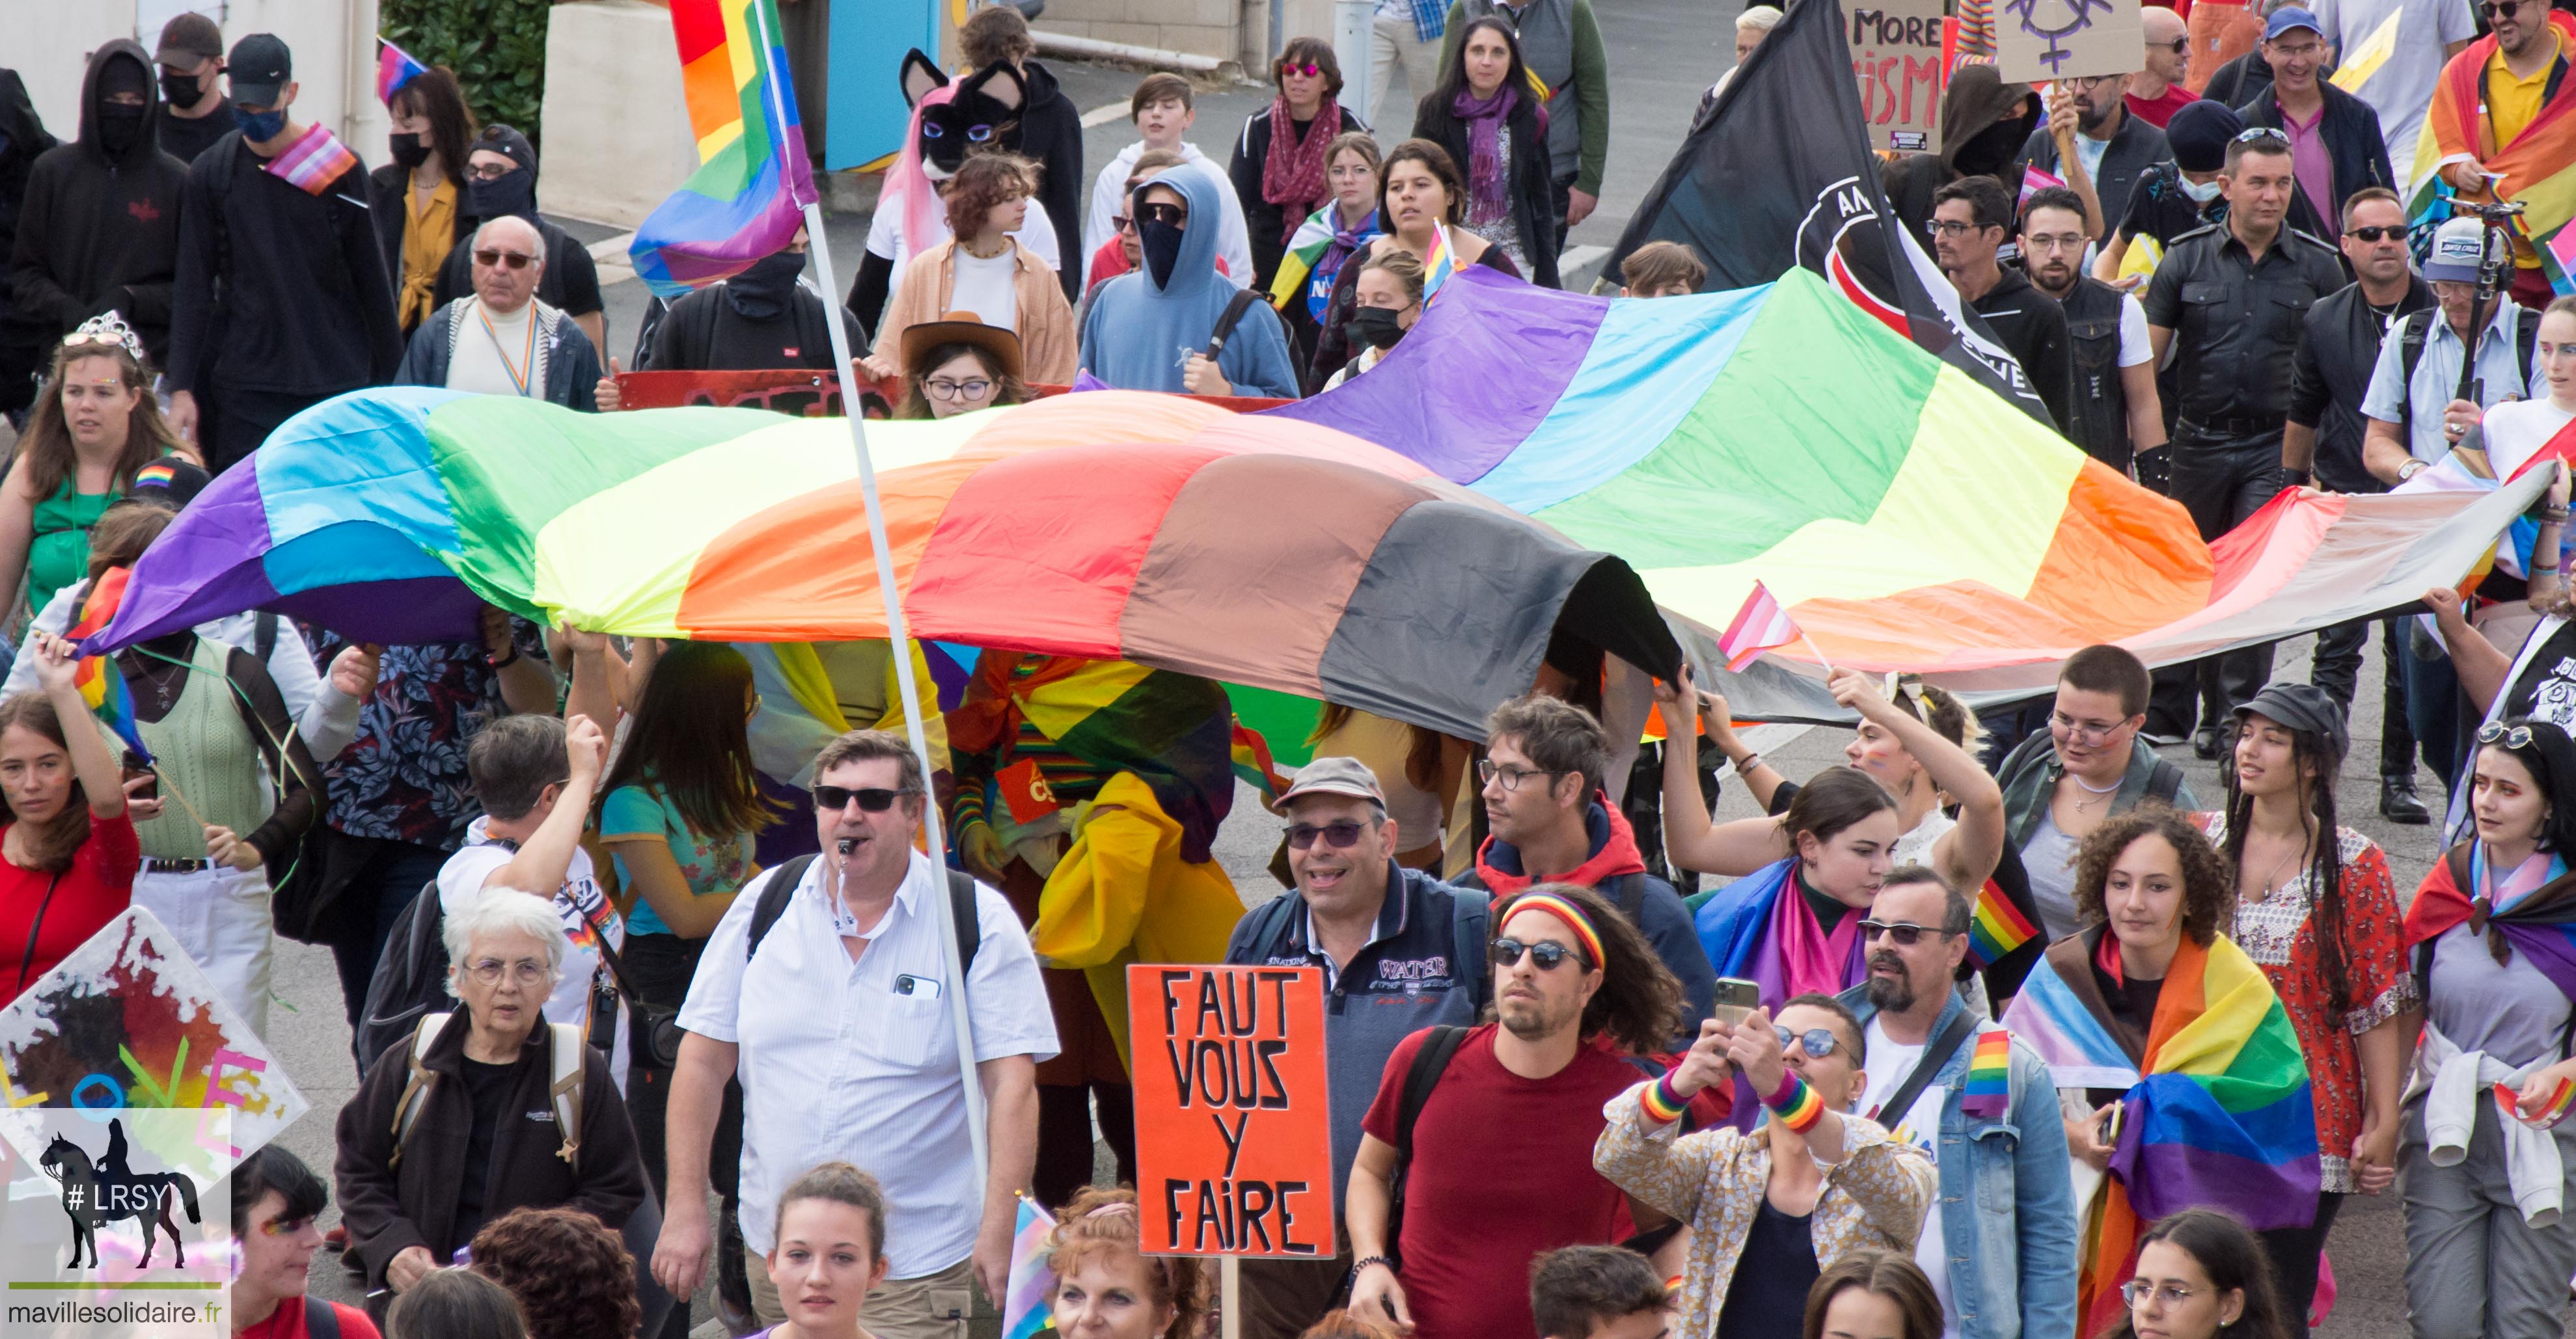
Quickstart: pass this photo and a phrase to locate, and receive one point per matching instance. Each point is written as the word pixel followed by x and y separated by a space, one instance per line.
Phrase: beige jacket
pixel 1044 321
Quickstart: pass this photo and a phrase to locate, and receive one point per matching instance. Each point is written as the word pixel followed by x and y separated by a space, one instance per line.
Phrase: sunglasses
pixel 1175 215
pixel 2494 8
pixel 1310 69
pixel 872 799
pixel 1818 1042
pixel 2176 46
pixel 1906 934
pixel 1342 835
pixel 2262 133
pixel 1121 222
pixel 2376 232
pixel 513 259
pixel 1546 953
pixel 2519 737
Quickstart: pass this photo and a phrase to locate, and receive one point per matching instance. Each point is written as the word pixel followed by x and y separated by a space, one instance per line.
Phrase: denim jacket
pixel 2012 1254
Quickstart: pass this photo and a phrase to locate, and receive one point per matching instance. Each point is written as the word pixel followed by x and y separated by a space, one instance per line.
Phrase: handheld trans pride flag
pixel 2218 1113
pixel 101 683
pixel 1027 1310
pixel 753 180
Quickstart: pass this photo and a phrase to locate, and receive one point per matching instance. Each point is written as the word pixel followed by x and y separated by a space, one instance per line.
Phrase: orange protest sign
pixel 1234 1141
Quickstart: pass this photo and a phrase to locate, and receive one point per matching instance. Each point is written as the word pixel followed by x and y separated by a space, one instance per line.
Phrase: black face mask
pixel 1161 243
pixel 408 149
pixel 1377 326
pixel 761 292
pixel 514 193
pixel 119 126
pixel 181 90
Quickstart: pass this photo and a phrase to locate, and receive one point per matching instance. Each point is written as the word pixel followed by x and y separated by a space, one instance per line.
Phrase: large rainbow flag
pixel 1114 525
pixel 2217 1114
pixel 753 181
pixel 1903 516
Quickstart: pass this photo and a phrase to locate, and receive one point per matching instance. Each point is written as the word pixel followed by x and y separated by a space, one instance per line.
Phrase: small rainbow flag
pixel 101 684
pixel 2509 1097
pixel 1252 763
pixel 312 163
pixel 1760 625
pixel 2558 259
pixel 1438 264
pixel 394 68
pixel 1998 927
pixel 1030 1307
pixel 1989 1075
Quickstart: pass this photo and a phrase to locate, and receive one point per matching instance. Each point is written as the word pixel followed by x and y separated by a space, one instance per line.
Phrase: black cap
pixel 510 143
pixel 189 38
pixel 2301 706
pixel 2198 135
pixel 260 68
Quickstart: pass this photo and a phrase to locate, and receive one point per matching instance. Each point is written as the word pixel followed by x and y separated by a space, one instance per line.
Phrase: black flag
pixel 1780 174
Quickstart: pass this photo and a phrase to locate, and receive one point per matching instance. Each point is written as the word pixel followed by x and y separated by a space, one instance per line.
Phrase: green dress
pixel 60 554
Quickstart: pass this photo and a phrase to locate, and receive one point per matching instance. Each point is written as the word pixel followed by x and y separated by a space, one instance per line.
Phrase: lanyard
pixel 527 364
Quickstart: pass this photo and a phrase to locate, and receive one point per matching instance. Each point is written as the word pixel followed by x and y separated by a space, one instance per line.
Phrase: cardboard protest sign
pixel 1897 55
pixel 2037 41
pixel 1234 1141
pixel 128 1022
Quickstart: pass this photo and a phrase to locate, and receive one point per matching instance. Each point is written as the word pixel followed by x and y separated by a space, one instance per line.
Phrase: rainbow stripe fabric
pixel 159 474
pixel 312 163
pixel 748 196
pixel 2538 167
pixel 1989 1087
pixel 2508 1099
pixel 101 683
pixel 2218 1115
pixel 1997 928
pixel 1030 1307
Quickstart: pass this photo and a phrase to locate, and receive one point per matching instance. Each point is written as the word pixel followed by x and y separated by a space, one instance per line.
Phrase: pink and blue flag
pixel 753 182
pixel 394 68
pixel 1030 1307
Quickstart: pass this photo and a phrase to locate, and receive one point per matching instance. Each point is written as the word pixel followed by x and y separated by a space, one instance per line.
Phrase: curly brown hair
pixel 572 1276
pixel 1639 1004
pixel 2208 894
pixel 1104 1222
pixel 987 180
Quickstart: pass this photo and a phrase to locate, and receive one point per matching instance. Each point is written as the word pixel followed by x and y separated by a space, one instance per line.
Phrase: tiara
pixel 106 328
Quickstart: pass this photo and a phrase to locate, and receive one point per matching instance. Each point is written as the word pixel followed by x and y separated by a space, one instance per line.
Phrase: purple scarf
pixel 1485 118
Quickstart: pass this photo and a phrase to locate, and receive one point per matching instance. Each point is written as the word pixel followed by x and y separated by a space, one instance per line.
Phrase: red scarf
pixel 1292 173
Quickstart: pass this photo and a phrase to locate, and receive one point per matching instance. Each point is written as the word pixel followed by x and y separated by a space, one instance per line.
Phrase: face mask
pixel 1162 245
pixel 1377 326
pixel 760 293
pixel 514 193
pixel 261 127
pixel 408 150
pixel 181 90
pixel 2202 191
pixel 118 127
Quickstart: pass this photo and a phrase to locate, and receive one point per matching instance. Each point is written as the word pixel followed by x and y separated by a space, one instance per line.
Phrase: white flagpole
pixel 898 634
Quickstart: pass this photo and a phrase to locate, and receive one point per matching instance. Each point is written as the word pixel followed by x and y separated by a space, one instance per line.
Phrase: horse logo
pixel 110 1190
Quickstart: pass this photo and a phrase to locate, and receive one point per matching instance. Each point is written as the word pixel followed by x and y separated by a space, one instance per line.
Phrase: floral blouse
pixel 2278 935
pixel 1715 1181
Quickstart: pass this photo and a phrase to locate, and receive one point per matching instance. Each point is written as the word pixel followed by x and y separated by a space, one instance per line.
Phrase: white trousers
pixel 1391 42
pixel 221 918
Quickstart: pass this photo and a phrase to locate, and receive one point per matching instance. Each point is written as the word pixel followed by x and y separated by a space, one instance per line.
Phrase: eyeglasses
pixel 872 799
pixel 1310 69
pixel 2083 733
pixel 2300 52
pixel 1818 1042
pixel 1953 227
pixel 1511 777
pixel 1344 834
pixel 2519 737
pixel 1121 222
pixel 526 971
pixel 490 171
pixel 2136 1292
pixel 1175 215
pixel 2089 82
pixel 944 388
pixel 2064 241
pixel 515 260
pixel 1905 933
pixel 2262 133
pixel 2376 231
pixel 1547 953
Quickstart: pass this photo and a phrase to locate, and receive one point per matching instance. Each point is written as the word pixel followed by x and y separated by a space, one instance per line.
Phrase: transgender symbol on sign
pixel 2053 21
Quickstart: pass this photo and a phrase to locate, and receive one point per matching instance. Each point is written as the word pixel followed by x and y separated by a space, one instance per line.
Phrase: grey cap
pixel 2301 706
pixel 1336 776
pixel 260 69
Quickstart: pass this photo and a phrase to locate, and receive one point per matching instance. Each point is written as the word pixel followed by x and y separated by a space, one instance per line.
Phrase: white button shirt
pixel 836 1065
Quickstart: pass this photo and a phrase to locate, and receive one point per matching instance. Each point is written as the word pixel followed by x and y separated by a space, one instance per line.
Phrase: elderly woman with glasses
pixel 1771 1210
pixel 485 1111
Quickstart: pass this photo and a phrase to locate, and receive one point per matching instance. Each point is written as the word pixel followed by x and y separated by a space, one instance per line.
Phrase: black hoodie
pixel 22 141
pixel 100 232
pixel 1051 137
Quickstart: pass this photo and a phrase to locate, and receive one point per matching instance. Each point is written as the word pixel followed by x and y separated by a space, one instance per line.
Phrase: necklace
pixel 995 254
pixel 160 679
pixel 2271 882
pixel 2096 791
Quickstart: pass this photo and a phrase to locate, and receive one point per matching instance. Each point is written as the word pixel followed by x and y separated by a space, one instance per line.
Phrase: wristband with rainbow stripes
pixel 2548 1114
pixel 1662 1105
pixel 1795 1103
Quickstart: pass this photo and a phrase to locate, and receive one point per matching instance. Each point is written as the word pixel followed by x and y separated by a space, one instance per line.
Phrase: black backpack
pixel 410 981
pixel 780 885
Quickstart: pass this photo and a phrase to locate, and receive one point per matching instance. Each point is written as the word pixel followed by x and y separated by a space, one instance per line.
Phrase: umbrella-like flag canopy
pixel 1111 525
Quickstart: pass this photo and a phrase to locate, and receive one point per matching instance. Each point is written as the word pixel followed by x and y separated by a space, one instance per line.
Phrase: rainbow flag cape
pixel 2538 167
pixel 101 683
pixel 394 68
pixel 1030 1308
pixel 1758 928
pixel 312 163
pixel 2541 926
pixel 1902 515
pixel 1306 246
pixel 748 196
pixel 2218 1114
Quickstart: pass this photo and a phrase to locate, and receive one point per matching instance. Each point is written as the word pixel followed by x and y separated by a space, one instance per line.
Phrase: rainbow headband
pixel 1564 910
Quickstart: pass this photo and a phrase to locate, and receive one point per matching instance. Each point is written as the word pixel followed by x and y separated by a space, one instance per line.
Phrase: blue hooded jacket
pixel 1139 335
